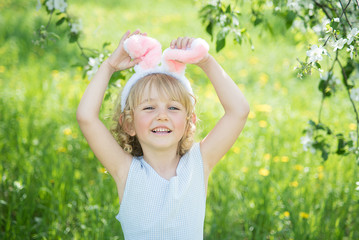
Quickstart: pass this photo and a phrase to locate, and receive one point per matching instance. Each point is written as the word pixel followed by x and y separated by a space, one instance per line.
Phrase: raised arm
pixel 224 134
pixel 102 143
pixel 226 131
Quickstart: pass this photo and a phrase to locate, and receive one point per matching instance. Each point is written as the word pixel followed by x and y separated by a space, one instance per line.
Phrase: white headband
pixel 173 61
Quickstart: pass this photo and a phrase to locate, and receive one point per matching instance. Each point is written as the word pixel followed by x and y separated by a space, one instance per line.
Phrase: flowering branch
pixel 93 57
pixel 325 18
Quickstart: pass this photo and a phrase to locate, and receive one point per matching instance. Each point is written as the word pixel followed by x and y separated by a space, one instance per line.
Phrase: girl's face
pixel 159 122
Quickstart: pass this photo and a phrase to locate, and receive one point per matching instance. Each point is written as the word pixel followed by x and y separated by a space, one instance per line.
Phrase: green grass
pixel 266 187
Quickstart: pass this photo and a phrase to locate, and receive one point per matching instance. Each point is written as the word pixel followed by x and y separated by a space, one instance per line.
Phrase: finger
pixel 184 42
pixel 125 36
pixel 179 42
pixel 135 32
pixel 173 43
pixel 190 42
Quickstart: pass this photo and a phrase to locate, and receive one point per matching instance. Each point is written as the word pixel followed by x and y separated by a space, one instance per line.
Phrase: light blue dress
pixel 155 208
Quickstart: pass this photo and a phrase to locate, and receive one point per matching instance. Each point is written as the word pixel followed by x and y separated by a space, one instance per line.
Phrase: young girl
pixel 161 175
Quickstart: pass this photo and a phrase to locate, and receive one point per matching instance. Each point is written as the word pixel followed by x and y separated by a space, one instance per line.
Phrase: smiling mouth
pixel 161 130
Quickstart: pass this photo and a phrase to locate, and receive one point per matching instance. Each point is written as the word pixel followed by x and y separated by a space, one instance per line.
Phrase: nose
pixel 162 115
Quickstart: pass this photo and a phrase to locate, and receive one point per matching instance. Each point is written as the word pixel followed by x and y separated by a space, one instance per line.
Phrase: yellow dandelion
pixel 352 126
pixel 243 73
pixel 264 172
pixel 102 170
pixel 276 159
pixel 320 169
pixel 230 54
pixel 304 215
pixel 267 156
pixel 244 169
pixel 320 175
pixel 2 69
pixel 286 214
pixel 67 131
pixel 263 79
pixel 236 150
pixel 263 108
pixel 263 124
pixel 253 60
pixel 251 115
pixel 294 184
pixel 298 167
pixel 284 159
pixel 61 149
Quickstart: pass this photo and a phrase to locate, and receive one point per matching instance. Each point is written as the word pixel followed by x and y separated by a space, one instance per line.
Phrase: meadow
pixel 266 187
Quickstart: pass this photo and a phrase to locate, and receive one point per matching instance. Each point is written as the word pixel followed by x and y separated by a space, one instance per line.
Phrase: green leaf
pixel 228 10
pixel 221 38
pixel 289 19
pixel 341 144
pixel 61 21
pixel 238 37
pixel 209 28
pixel 105 44
pixel 348 70
pixel 73 37
pixel 325 154
pixel 318 65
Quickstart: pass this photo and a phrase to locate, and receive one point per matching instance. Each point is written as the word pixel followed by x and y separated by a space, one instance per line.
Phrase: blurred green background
pixel 266 187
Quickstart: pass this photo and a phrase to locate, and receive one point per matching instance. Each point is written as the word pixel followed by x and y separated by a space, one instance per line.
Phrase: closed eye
pixel 148 108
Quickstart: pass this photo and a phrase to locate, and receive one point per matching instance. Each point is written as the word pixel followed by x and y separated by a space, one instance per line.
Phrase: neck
pixel 164 162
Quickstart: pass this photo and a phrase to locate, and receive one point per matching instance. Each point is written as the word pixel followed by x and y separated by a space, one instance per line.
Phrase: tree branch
pixel 323 8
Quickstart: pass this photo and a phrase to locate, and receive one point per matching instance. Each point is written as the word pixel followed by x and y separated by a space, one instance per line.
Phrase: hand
pixel 119 59
pixel 184 43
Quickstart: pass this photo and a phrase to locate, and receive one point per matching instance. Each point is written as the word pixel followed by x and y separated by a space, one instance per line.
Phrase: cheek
pixel 141 122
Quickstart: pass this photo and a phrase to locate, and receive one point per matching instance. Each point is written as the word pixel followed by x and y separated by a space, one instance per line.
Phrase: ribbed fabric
pixel 155 208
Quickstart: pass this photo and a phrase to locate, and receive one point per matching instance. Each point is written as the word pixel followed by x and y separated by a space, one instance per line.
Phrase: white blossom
pixel 315 53
pixel 351 50
pixel 336 20
pixel 351 36
pixel 293 5
pixel 339 44
pixel 60 5
pixel 354 94
pixel 307 142
pixel 76 27
pixel 93 65
pixel 357 188
pixel 38 5
pixel 50 5
pixel 18 185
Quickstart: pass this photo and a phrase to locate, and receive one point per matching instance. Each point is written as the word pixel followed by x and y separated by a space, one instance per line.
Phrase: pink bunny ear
pixel 146 48
pixel 175 60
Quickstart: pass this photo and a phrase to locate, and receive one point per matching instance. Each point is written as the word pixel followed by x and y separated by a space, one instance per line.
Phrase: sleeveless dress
pixel 156 208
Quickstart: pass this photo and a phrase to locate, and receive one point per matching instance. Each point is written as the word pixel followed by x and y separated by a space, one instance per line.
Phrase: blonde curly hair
pixel 166 86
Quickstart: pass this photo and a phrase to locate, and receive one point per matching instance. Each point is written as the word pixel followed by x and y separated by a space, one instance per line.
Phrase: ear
pixel 175 60
pixel 147 49
pixel 194 118
pixel 127 126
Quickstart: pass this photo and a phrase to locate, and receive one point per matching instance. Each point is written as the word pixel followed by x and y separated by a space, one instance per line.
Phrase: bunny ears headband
pixel 173 61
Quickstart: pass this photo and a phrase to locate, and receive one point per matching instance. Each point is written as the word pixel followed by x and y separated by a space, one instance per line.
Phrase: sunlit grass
pixel 266 187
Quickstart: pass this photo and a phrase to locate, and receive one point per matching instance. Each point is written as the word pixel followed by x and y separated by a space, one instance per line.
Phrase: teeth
pixel 161 130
